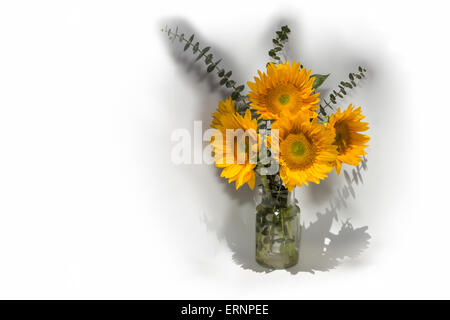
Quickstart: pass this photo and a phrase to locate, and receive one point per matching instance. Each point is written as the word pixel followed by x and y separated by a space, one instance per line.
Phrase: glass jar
pixel 277 227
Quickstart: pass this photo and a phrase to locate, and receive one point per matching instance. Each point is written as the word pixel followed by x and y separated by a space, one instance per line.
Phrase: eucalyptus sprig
pixel 279 42
pixel 213 65
pixel 342 91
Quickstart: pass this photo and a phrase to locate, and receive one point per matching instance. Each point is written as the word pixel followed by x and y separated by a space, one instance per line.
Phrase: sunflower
pixel 306 152
pixel 225 107
pixel 236 151
pixel 350 143
pixel 286 87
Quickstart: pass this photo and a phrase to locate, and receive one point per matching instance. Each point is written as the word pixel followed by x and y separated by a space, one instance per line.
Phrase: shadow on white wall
pixel 321 248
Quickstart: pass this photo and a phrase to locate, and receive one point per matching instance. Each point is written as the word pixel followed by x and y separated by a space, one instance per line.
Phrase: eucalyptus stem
pixel 208 59
pixel 341 91
pixel 279 42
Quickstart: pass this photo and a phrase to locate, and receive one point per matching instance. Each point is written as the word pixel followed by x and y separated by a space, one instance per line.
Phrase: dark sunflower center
pixel 298 149
pixel 342 139
pixel 284 99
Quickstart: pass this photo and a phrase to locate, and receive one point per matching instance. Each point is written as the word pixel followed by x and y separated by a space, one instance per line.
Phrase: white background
pixel 92 207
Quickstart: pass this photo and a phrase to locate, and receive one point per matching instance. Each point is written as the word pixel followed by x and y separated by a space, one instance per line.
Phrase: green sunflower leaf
pixel 319 79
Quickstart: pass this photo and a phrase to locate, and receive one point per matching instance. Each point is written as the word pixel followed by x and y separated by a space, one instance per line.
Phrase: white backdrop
pixel 92 207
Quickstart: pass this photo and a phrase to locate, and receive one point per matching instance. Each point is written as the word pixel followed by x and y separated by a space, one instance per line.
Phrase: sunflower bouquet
pixel 281 134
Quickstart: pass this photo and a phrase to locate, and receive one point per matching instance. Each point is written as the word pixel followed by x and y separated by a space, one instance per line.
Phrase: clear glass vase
pixel 277 228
